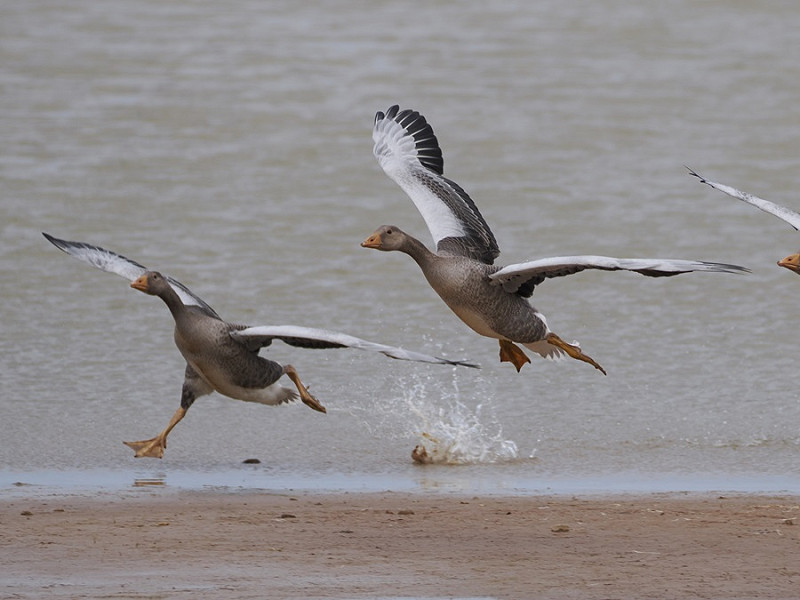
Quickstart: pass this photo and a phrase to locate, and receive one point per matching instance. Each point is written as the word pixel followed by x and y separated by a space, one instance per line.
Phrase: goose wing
pixel 522 278
pixel 409 153
pixel 786 214
pixel 309 337
pixel 111 262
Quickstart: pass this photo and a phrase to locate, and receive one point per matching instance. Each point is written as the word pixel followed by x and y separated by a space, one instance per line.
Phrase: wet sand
pixel 221 544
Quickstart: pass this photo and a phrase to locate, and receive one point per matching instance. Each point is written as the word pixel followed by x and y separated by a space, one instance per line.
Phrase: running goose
pixel 791 262
pixel 489 299
pixel 221 356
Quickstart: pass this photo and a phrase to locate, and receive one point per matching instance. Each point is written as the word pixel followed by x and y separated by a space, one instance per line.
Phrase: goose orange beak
pixel 791 262
pixel 140 284
pixel 373 241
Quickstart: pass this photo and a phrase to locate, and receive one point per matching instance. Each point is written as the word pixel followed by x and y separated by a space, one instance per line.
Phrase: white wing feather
pixel 111 262
pixel 786 214
pixel 512 277
pixel 264 334
pixel 397 155
pixel 407 150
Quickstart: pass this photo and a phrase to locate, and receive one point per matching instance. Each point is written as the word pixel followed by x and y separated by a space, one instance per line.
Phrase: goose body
pixel 491 300
pixel 222 356
pixel 225 365
pixel 791 262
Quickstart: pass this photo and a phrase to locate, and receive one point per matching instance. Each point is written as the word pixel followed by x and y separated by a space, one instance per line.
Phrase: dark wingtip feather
pixel 429 153
pixel 50 238
pixel 60 244
pixel 696 174
pixel 463 363
pixel 727 268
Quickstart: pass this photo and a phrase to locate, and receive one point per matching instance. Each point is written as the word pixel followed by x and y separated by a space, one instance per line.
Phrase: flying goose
pixel 221 356
pixel 791 262
pixel 489 299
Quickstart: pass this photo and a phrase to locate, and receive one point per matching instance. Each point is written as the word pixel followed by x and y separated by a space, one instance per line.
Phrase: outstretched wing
pixel 522 278
pixel 409 153
pixel 786 214
pixel 309 337
pixel 111 262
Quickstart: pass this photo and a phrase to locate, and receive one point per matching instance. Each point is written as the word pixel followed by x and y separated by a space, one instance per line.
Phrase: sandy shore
pixel 185 544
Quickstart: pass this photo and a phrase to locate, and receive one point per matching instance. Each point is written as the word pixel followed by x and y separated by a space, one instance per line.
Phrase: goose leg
pixel 574 351
pixel 305 395
pixel 154 447
pixel 510 352
pixel 193 388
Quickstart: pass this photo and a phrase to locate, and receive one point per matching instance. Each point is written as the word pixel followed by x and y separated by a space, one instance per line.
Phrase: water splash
pixel 447 431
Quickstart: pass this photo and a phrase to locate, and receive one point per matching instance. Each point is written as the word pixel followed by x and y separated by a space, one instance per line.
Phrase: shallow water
pixel 232 149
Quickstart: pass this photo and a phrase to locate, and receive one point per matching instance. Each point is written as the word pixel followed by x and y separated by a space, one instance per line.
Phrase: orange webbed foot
pixel 510 352
pixel 152 448
pixel 305 395
pixel 574 351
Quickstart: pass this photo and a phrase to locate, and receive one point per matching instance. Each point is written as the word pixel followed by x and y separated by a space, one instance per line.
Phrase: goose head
pixel 386 238
pixel 791 262
pixel 152 283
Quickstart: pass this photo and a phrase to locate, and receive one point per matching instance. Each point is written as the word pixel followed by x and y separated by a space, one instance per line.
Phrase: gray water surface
pixel 230 146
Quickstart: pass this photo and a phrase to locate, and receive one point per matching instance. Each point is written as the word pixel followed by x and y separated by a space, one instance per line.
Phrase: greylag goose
pixel 221 356
pixel 489 299
pixel 791 262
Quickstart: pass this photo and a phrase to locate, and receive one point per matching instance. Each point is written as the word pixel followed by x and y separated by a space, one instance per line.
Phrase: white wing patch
pixel 440 219
pixel 392 142
pixel 397 155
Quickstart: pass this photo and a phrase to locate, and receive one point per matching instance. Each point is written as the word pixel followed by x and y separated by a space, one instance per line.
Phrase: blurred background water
pixel 229 144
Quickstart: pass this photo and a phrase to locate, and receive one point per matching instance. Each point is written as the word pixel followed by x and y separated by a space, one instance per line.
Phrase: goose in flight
pixel 489 299
pixel 221 356
pixel 791 262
